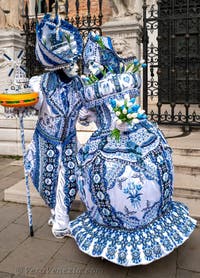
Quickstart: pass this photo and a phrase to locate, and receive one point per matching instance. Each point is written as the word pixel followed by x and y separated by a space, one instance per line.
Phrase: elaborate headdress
pixel 100 49
pixel 58 43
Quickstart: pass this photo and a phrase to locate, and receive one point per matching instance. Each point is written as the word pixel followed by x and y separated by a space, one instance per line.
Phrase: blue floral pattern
pixel 133 192
pixel 127 188
pixel 133 247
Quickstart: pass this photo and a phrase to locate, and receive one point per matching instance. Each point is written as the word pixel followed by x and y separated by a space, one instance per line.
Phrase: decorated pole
pixel 28 195
pixel 19 101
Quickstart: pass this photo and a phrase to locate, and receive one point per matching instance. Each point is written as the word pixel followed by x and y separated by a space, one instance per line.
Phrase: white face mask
pixel 71 70
pixel 94 67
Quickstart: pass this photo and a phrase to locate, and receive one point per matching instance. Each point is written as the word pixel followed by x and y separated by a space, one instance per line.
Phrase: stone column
pixel 31 7
pixel 125 27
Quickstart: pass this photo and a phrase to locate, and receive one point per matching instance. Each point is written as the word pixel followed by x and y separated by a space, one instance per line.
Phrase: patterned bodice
pixel 60 102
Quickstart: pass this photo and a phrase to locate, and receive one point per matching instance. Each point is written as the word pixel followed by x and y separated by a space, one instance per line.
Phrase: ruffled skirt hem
pixel 138 246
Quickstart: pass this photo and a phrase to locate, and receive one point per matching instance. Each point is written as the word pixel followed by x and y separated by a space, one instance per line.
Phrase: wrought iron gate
pixel 171 46
pixel 85 24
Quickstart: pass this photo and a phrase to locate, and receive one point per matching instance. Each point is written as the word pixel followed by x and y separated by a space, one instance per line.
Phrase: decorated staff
pixel 17 100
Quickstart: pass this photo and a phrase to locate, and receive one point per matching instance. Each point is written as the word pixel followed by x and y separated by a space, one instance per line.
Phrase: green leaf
pixel 100 42
pixel 115 133
pixel 136 68
pixel 67 36
pixel 128 66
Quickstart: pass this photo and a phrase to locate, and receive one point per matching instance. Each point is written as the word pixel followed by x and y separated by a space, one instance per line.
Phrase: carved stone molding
pixel 125 27
pixel 126 36
pixel 126 8
pixel 10 14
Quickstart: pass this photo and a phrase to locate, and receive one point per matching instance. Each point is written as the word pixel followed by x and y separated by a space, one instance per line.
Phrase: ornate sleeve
pixel 35 84
pixel 112 85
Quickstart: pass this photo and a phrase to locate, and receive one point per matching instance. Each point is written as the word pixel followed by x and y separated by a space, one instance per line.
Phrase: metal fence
pixel 171 46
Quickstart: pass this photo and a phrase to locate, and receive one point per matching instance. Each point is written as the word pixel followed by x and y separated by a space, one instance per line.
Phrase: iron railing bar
pixel 45 7
pixel 100 16
pixel 145 49
pixel 56 7
pixel 170 18
pixel 88 13
pixel 77 13
pixel 36 10
pixel 67 9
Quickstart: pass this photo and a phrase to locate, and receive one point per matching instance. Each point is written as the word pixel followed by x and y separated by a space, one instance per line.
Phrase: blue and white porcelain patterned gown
pixel 127 188
pixel 51 158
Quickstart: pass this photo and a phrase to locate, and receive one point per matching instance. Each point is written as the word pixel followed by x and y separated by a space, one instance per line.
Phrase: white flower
pixel 127 97
pixel 142 61
pixel 134 115
pixel 129 116
pixel 117 103
pixel 135 121
pixel 120 102
pixel 118 122
pixel 124 111
pixel 117 113
pixel 129 104
pixel 121 65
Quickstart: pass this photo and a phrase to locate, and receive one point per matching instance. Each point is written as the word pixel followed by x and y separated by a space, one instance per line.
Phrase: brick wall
pixel 94 8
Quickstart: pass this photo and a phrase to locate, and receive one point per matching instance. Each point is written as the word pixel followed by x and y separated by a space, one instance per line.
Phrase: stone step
pixel 192 204
pixel 187 152
pixel 13 123
pixel 14 135
pixel 182 180
pixel 170 131
pixel 187 186
pixel 186 164
pixel 191 193
pixel 186 145
pixel 17 194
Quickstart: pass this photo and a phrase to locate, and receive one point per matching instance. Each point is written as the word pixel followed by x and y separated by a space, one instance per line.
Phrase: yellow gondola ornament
pixel 19 99
pixel 18 94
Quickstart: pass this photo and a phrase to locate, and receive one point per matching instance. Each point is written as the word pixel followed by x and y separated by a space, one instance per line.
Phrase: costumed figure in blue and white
pixel 125 179
pixel 51 158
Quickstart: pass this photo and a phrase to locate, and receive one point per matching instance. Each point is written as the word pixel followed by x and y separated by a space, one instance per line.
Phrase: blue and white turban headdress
pixel 58 43
pixel 100 49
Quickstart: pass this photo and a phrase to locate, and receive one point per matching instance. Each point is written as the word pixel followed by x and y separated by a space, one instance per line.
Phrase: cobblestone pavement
pixel 44 256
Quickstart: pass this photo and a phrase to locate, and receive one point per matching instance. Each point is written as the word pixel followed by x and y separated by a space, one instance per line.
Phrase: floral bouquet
pixel 135 66
pixel 128 113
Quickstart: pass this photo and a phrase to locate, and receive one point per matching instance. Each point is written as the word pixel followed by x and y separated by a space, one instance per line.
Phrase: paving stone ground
pixel 43 256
